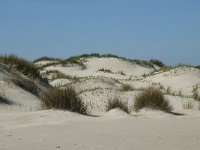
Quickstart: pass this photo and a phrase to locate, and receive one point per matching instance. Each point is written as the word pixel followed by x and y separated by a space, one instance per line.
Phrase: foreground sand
pixel 49 130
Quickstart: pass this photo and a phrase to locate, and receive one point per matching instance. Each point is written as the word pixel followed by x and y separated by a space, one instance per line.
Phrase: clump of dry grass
pixel 152 98
pixel 25 67
pixel 64 99
pixel 188 105
pixel 27 85
pixel 196 95
pixel 105 70
pixel 127 87
pixel 116 103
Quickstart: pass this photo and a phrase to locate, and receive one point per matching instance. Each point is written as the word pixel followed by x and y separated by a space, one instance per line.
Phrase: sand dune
pixel 24 125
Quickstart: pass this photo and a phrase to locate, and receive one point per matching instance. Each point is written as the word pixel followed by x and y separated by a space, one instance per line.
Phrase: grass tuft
pixel 105 70
pixel 127 87
pixel 27 85
pixel 188 105
pixel 196 95
pixel 47 58
pixel 64 99
pixel 25 67
pixel 116 103
pixel 152 98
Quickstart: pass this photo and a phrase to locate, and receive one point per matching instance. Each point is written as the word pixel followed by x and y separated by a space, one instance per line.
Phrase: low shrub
pixel 152 98
pixel 116 103
pixel 63 99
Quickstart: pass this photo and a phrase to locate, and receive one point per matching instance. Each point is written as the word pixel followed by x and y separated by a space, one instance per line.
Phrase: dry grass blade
pixel 116 103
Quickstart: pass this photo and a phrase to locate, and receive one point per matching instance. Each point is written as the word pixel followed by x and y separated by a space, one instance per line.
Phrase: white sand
pixel 94 64
pixel 50 130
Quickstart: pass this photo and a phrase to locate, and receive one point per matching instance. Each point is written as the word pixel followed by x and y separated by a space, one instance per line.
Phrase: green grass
pixel 66 99
pixel 116 103
pixel 152 98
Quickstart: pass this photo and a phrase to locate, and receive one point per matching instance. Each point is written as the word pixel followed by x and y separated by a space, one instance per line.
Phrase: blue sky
pixel 168 30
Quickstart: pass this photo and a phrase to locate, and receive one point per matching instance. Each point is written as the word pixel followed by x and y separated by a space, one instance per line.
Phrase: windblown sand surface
pixel 49 130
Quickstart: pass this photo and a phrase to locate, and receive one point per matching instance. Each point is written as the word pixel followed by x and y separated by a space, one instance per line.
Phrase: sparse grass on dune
pixel 183 65
pixel 196 95
pixel 25 67
pixel 27 85
pixel 47 59
pixel 66 99
pixel 58 75
pixel 188 105
pixel 64 63
pixel 105 70
pixel 127 87
pixel 116 103
pixel 77 60
pixel 152 98
pixel 198 67
pixel 157 62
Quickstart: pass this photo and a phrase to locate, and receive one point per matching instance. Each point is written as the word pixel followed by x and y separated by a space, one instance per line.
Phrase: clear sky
pixel 168 30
